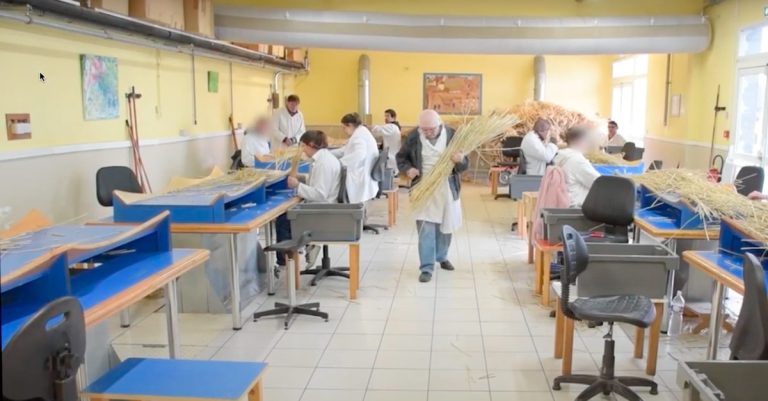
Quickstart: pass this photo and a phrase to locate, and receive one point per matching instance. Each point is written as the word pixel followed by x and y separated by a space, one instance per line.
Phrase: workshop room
pixel 369 200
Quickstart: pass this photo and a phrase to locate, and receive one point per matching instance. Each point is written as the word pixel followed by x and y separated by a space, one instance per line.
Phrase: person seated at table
pixel 256 146
pixel 579 172
pixel 614 138
pixel 389 133
pixel 757 196
pixel 538 148
pixel 323 184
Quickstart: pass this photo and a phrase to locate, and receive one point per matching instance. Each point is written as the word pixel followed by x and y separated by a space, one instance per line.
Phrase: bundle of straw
pixel 709 200
pixel 605 158
pixel 470 136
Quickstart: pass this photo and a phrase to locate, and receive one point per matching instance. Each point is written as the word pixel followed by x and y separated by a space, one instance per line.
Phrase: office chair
pixel 377 174
pixel 632 152
pixel 750 178
pixel 749 340
pixel 510 149
pixel 115 178
pixel 631 309
pixel 325 269
pixel 237 160
pixel 611 201
pixel 41 359
pixel 656 165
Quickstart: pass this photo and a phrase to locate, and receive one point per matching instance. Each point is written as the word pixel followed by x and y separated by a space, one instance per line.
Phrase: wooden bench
pixel 142 379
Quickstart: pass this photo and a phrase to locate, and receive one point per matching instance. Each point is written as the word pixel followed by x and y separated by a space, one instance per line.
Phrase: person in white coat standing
pixel 579 172
pixel 389 133
pixel 289 122
pixel 358 156
pixel 538 148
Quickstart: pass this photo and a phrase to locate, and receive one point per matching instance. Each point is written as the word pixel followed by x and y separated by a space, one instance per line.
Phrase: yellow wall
pixel 490 7
pixel 163 78
pixel 330 90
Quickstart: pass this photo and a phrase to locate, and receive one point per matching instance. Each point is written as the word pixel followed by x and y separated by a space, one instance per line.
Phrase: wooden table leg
pixel 639 342
pixel 530 245
pixel 537 271
pixel 494 182
pixel 653 340
pixel 256 393
pixel 391 209
pixel 354 270
pixel 546 262
pixel 396 199
pixel 520 219
pixel 567 346
pixel 559 327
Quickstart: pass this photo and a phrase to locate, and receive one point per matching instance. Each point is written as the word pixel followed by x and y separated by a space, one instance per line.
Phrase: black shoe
pixel 446 266
pixel 425 277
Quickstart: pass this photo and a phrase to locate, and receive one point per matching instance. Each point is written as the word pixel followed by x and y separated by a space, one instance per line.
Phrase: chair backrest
pixel 576 258
pixel 750 336
pixel 342 196
pixel 627 147
pixel 611 200
pixel 237 160
pixel 750 178
pixel 656 165
pixel 510 146
pixel 634 154
pixel 522 169
pixel 41 360
pixel 115 178
pixel 379 167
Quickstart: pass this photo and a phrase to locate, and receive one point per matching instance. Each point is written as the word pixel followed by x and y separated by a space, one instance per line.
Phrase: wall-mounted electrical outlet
pixel 18 126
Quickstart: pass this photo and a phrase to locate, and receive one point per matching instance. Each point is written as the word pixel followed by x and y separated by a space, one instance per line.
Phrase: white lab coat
pixel 287 125
pixel 358 155
pixel 254 145
pixel 537 153
pixel 617 140
pixel 324 180
pixel 579 174
pixel 441 208
pixel 390 137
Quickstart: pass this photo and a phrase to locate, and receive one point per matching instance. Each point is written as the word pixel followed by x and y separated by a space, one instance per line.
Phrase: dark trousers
pixel 283 232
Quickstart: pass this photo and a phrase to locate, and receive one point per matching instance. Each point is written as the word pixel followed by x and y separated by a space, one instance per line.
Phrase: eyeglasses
pixel 430 130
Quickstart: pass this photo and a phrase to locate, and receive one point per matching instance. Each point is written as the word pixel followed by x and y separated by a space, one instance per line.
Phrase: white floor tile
pixel 279 394
pixel 297 358
pixel 405 342
pixel 513 361
pixel 287 378
pixel 456 360
pixel 459 396
pixel 518 380
pixel 303 341
pixel 395 395
pixel 458 380
pixel 392 359
pixel 355 342
pixel 458 343
pixel 399 379
pixel 333 395
pixel 348 359
pixel 339 379
pixel 522 396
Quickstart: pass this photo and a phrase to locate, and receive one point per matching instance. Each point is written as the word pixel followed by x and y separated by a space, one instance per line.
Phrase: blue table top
pixel 730 264
pixel 664 223
pixel 199 195
pixel 95 286
pixel 244 215
pixel 178 378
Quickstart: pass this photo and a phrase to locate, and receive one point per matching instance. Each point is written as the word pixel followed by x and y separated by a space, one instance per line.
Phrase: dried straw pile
pixel 710 200
pixel 469 137
pixel 604 158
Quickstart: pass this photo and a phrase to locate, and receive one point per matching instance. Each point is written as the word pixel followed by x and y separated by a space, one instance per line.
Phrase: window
pixel 630 88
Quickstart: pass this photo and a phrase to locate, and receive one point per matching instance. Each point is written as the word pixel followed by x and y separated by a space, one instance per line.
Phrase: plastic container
pixel 676 308
pixel 723 380
pixel 339 222
pixel 523 183
pixel 555 219
pixel 627 269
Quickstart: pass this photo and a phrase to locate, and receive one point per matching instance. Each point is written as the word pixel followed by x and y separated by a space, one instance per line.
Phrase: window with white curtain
pixel 630 89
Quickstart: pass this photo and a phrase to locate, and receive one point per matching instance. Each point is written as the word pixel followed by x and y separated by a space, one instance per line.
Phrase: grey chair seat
pixel 632 309
pixel 608 239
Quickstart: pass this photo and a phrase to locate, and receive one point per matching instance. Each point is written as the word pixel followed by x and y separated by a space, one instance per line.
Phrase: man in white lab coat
pixel 358 156
pixel 538 148
pixel 441 217
pixel 390 137
pixel 579 172
pixel 288 122
pixel 614 138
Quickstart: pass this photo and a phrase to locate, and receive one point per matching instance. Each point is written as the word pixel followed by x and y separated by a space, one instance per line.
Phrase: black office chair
pixel 656 165
pixel 631 309
pixel 749 179
pixel 325 269
pixel 237 160
pixel 749 340
pixel 115 178
pixel 377 174
pixel 611 201
pixel 632 152
pixel 41 359
pixel 510 149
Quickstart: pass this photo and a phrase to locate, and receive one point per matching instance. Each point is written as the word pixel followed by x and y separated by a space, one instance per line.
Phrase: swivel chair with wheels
pixel 377 174
pixel 510 149
pixel 749 179
pixel 632 152
pixel 632 309
pixel 41 360
pixel 749 340
pixel 291 247
pixel 611 201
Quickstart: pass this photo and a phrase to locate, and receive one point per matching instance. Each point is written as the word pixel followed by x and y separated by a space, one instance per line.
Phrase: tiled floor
pixel 475 334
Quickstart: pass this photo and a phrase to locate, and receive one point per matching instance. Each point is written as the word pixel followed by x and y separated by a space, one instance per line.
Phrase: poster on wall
pixel 99 78
pixel 460 94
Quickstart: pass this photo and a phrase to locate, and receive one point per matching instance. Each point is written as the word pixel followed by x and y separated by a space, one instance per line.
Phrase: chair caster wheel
pixel 654 391
pixel 606 392
pixel 556 386
pixel 326 320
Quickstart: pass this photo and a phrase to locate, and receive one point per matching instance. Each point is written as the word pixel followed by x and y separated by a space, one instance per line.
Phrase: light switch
pixel 18 126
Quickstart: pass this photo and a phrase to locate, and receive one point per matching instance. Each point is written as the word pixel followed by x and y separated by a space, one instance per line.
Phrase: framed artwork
pixel 448 93
pixel 99 78
pixel 213 81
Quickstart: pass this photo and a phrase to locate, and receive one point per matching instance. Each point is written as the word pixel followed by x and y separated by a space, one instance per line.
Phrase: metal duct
pixel 472 35
pixel 364 87
pixel 539 77
pixel 105 18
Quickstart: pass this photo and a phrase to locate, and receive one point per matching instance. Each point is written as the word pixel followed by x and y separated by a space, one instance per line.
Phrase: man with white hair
pixel 441 216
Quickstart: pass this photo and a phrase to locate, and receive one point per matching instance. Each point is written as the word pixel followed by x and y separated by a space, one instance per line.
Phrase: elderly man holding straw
pixel 440 215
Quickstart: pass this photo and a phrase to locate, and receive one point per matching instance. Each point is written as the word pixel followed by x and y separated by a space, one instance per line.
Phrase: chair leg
pixel 627 393
pixel 594 389
pixel 631 381
pixel 574 379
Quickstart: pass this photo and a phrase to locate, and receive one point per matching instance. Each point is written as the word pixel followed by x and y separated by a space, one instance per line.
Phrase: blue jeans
pixel 433 245
pixel 283 232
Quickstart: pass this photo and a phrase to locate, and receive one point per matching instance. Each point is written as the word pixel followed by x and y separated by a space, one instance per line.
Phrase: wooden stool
pixel 392 206
pixel 564 328
pixel 543 251
pixel 177 379
pixel 494 180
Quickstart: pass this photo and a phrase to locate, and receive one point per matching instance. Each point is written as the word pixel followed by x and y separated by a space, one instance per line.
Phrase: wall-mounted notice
pixel 99 77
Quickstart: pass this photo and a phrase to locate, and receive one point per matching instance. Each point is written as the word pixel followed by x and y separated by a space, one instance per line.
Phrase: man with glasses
pixel 441 216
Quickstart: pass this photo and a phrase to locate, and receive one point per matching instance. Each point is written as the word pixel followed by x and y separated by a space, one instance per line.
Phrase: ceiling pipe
pixel 539 77
pixel 105 18
pixel 364 87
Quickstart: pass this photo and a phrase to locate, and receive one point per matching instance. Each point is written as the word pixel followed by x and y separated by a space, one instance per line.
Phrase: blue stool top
pixel 139 378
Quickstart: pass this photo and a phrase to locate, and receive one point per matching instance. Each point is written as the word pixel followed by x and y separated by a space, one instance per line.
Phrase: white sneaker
pixel 311 255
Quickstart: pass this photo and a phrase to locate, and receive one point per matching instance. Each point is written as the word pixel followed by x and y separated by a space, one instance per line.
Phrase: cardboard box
pixel 277 51
pixel 165 12
pixel 296 55
pixel 116 6
pixel 198 17
pixel 253 46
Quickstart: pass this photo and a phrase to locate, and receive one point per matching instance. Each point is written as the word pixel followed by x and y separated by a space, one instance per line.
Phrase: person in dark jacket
pixel 441 216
